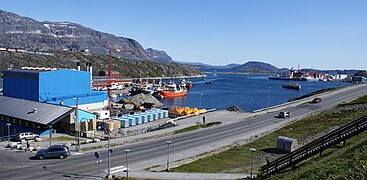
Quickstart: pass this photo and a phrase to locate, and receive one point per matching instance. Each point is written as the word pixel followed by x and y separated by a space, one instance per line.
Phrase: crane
pixel 109 81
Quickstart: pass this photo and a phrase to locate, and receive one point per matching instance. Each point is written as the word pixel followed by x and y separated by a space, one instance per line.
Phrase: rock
pixel 235 108
pixel 146 98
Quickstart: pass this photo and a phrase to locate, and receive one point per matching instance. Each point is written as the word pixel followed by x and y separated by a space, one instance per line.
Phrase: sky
pixel 320 34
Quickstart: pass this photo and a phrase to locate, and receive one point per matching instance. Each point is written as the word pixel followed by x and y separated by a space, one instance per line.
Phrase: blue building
pixel 62 87
pixel 59 87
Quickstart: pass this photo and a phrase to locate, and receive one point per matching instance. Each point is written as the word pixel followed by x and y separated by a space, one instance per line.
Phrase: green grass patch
pixel 195 127
pixel 361 100
pixel 237 160
pixel 349 162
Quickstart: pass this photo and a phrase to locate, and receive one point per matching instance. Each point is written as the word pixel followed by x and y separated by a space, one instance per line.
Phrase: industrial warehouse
pixel 44 100
pixel 37 99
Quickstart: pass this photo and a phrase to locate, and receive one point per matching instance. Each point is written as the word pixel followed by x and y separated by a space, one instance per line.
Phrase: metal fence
pixel 317 146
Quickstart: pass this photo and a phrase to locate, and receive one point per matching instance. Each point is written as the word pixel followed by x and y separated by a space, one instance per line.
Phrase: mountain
pixel 29 34
pixel 158 55
pixel 66 59
pixel 257 66
pixel 195 64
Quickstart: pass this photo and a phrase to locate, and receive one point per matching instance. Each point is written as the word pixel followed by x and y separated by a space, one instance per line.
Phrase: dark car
pixel 316 100
pixel 55 151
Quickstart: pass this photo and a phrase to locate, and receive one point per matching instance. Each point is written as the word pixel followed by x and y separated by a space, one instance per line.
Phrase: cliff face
pixel 26 33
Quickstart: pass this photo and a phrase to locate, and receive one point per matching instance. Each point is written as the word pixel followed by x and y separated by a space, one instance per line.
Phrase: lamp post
pixel 201 94
pixel 127 163
pixel 252 159
pixel 108 151
pixel 8 124
pixel 77 120
pixel 168 143
pixel 50 128
pixel 267 105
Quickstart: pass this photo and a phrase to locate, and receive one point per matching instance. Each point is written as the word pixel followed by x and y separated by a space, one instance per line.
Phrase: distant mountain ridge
pixel 157 55
pixel 257 66
pixel 26 33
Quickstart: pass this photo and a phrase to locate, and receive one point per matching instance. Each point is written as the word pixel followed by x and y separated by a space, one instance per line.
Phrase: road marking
pixel 116 169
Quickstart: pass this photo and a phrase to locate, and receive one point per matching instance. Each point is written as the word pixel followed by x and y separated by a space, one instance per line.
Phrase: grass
pixel 195 127
pixel 237 159
pixel 349 162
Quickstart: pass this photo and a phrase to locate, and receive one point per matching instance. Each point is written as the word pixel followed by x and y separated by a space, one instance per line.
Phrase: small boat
pixel 172 90
pixel 292 86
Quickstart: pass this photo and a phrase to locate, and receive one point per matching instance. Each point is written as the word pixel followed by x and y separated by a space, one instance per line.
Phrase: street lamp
pixel 8 124
pixel 50 128
pixel 108 151
pixel 252 159
pixel 168 143
pixel 77 120
pixel 127 163
pixel 201 94
pixel 267 105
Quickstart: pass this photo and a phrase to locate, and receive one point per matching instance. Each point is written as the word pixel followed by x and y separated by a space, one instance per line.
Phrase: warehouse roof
pixel 33 111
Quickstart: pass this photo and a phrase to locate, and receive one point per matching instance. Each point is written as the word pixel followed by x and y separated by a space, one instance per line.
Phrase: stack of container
pixel 129 120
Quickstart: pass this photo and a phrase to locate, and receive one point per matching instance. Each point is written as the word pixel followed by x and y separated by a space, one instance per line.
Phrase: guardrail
pixel 317 146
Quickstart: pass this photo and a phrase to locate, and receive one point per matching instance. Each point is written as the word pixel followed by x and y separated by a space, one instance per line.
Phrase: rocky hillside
pixel 65 59
pixel 29 34
pixel 257 66
pixel 158 55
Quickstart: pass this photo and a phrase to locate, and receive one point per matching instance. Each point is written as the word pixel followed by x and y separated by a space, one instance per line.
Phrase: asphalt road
pixel 84 166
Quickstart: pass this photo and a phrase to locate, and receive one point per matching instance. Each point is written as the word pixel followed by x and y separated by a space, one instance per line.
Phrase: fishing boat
pixel 172 90
pixel 292 86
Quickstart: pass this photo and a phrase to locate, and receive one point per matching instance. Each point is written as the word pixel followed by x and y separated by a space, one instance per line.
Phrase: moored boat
pixel 292 86
pixel 171 90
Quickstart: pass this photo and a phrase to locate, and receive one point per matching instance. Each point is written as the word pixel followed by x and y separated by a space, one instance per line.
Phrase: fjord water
pixel 248 91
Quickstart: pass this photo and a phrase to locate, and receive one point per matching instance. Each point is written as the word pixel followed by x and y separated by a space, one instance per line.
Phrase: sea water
pixel 248 91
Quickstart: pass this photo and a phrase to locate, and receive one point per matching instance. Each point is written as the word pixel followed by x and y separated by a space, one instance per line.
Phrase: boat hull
pixel 172 93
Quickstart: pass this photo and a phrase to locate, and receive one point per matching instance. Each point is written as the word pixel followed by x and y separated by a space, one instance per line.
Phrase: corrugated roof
pixel 24 109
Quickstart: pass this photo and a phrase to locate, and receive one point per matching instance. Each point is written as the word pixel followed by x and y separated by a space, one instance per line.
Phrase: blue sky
pixel 324 34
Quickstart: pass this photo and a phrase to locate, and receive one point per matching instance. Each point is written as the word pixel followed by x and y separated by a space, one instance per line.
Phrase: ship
pixel 172 90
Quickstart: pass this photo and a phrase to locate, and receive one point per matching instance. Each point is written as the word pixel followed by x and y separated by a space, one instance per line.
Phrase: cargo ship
pixel 172 90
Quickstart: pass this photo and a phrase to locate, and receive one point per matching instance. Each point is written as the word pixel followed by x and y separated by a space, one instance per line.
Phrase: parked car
pixel 284 114
pixel 27 136
pixel 316 100
pixel 55 151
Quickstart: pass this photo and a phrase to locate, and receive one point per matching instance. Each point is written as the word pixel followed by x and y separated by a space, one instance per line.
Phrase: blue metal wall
pixel 52 86
pixel 68 84
pixel 21 84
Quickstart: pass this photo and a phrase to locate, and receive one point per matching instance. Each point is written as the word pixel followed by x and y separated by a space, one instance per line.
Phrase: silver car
pixel 55 151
